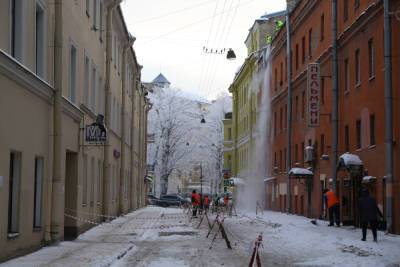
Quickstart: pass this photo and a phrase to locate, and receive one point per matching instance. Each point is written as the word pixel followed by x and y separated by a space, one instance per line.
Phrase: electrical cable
pixel 173 12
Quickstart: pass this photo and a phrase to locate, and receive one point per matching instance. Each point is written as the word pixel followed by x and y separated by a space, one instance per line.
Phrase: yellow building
pixel 65 65
pixel 246 95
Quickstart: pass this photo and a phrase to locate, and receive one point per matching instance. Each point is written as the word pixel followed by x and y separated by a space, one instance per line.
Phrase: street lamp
pixel 231 54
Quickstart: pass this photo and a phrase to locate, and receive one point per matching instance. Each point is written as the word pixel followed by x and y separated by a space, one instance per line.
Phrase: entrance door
pixel 71 195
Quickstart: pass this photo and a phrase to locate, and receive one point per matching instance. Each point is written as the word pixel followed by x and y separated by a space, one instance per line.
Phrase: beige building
pixel 64 64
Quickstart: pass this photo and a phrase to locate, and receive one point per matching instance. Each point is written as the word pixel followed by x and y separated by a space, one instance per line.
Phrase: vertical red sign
pixel 313 94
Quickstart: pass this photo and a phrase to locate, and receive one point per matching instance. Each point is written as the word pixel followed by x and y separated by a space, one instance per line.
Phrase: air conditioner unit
pixel 309 154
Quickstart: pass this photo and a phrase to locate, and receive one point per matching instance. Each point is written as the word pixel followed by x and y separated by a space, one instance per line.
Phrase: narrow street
pixel 156 236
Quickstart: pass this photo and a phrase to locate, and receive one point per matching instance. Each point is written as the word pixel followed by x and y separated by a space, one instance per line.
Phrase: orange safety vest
pixel 226 200
pixel 332 198
pixel 195 199
pixel 206 201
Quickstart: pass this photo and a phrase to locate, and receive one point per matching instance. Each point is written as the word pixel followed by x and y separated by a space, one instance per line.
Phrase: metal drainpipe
pixel 122 185
pixel 335 95
pixel 289 113
pixel 132 174
pixel 107 108
pixel 388 113
pixel 57 193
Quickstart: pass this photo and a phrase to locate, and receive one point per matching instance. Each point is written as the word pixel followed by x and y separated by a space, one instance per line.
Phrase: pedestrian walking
pixel 195 202
pixel 369 212
pixel 332 202
pixel 206 202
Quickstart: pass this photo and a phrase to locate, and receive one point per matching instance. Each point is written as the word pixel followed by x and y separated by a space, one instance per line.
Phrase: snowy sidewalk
pixel 294 240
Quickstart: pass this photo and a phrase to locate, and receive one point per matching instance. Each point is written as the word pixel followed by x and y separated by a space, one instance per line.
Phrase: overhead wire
pixel 216 61
pixel 225 41
pixel 173 12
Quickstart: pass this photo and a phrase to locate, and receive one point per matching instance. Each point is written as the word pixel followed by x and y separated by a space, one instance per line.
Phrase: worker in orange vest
pixel 332 202
pixel 195 202
pixel 206 202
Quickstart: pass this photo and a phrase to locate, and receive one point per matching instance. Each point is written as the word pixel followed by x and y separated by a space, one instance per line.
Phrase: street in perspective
pixel 199 133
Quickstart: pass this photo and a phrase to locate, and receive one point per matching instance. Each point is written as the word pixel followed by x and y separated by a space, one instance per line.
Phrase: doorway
pixel 71 195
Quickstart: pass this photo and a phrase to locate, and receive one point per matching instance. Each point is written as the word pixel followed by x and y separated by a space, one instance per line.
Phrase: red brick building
pixel 361 110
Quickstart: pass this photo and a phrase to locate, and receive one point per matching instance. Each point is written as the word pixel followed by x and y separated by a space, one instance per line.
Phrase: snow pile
pixel 350 159
pixel 300 172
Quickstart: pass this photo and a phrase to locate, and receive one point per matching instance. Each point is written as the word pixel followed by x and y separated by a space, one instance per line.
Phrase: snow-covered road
pixel 165 237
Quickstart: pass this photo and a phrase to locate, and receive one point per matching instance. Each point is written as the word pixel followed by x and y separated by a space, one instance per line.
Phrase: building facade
pixel 56 81
pixel 361 113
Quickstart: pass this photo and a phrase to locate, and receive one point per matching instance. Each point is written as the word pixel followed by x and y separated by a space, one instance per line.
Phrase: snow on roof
pixel 367 179
pixel 269 179
pixel 350 159
pixel 300 172
pixel 161 79
pixel 237 181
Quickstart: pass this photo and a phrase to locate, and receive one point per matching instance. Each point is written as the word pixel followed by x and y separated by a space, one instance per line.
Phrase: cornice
pixel 21 75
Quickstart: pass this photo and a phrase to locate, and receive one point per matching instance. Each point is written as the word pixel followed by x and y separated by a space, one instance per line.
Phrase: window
pixel 322 144
pixel 84 182
pixel 346 75
pixel 101 21
pixel 229 134
pixel 94 14
pixel 303 104
pixel 302 152
pixel 303 50
pixel 322 90
pixel 281 79
pixel 358 132
pixel 40 41
pixel 346 139
pixel 285 117
pixel 281 119
pixel 371 58
pixel 88 8
pixel 310 44
pixel 285 69
pixel 86 81
pixel 94 84
pixel 92 182
pixel 99 180
pixel 72 74
pixel 296 153
pixel 14 192
pixel 297 56
pixel 276 79
pixel 356 4
pixel 372 129
pixel 357 67
pixel 37 200
pixel 322 29
pixel 17 38
pixel 345 10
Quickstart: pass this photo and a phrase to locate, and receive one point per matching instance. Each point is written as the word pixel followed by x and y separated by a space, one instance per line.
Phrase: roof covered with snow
pixel 161 79
pixel 300 172
pixel 348 160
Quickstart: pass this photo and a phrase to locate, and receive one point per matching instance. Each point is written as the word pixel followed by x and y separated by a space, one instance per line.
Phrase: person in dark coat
pixel 369 212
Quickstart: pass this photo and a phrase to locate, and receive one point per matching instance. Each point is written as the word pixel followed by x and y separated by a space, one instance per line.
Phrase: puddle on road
pixel 186 233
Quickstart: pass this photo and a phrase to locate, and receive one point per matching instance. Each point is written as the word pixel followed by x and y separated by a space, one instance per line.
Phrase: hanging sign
pixel 96 132
pixel 313 94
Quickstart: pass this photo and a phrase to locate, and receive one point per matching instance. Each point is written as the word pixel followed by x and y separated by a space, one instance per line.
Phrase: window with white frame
pixel 86 79
pixel 14 187
pixel 92 181
pixel 72 74
pixel 17 29
pixel 84 182
pixel 94 14
pixel 40 43
pixel 94 93
pixel 37 200
pixel 101 20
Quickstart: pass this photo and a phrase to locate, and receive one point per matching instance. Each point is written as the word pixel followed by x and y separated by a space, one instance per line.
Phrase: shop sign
pixel 313 94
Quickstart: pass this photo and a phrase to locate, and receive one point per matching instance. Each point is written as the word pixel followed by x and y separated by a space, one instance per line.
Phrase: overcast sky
pixel 170 36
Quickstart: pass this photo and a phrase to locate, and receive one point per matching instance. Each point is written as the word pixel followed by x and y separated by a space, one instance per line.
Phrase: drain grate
pixel 177 233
